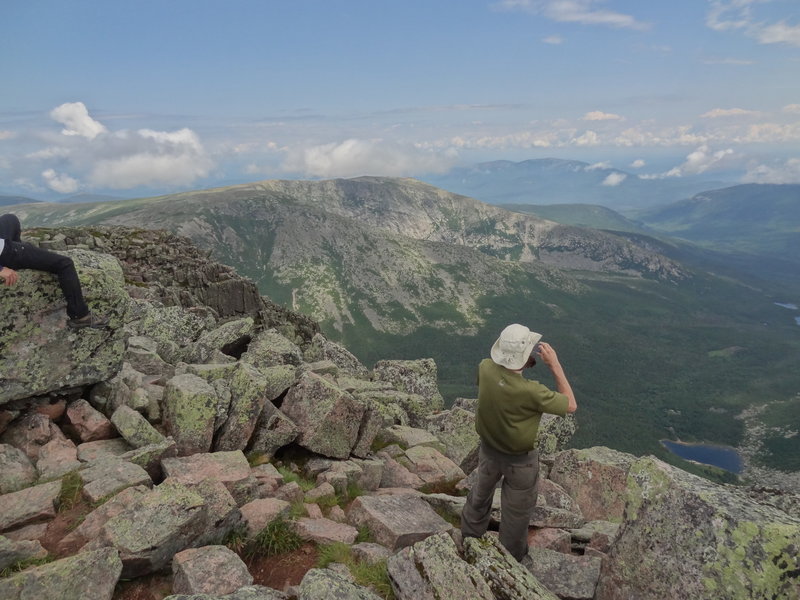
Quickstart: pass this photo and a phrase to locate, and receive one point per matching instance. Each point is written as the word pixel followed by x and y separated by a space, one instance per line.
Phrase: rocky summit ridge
pixel 207 419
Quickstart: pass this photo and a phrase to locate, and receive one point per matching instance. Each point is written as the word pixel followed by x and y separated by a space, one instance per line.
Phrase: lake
pixel 723 457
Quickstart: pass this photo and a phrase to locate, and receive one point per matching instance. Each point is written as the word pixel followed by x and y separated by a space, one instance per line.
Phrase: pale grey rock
pixel 555 434
pixel 88 423
pixel 29 505
pixel 149 457
pixel 87 575
pixel 324 531
pixel 250 390
pixel 396 475
pixel 553 495
pixel 230 468
pixel 108 476
pixel 432 569
pixel 324 584
pixel 231 338
pixel 396 521
pixel 313 511
pixel 259 513
pixel 89 451
pixel 12 551
pixel 322 367
pixel 371 425
pixel 222 512
pixel 455 430
pixel 273 431
pixel 322 348
pixel 91 526
pixel 371 474
pixel 16 470
pixel 566 575
pixel 148 362
pixel 683 536
pixel 325 490
pixel 110 394
pixel 208 570
pixel 336 513
pixel 190 408
pixel 134 428
pixel 415 377
pixel 149 532
pixel 290 492
pixel 269 348
pixel 431 466
pixel 507 578
pixel 39 353
pixel 549 516
pixel 596 478
pixel 407 437
pixel 370 552
pixel 328 418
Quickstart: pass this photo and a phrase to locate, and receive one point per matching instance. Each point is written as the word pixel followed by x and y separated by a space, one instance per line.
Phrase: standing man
pixel 16 254
pixel 507 421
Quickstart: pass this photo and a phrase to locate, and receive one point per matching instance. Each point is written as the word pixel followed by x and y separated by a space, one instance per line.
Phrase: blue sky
pixel 141 97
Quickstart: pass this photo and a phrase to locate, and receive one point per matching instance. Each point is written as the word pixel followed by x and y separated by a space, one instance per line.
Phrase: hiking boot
pixel 91 320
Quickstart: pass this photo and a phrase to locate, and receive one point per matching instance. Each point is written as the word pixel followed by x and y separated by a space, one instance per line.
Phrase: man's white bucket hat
pixel 514 346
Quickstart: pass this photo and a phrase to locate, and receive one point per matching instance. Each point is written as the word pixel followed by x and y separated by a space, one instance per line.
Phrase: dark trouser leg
pixel 517 500
pixel 22 255
pixel 10 229
pixel 478 508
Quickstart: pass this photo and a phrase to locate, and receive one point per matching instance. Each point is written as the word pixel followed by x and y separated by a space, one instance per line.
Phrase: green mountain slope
pixel 398 269
pixel 581 215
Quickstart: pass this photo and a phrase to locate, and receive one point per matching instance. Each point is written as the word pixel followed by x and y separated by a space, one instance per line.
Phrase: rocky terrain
pixel 208 424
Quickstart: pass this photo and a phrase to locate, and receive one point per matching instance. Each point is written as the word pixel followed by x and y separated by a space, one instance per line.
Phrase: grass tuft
pixel 276 538
pixel 21 565
pixel 71 488
pixel 372 575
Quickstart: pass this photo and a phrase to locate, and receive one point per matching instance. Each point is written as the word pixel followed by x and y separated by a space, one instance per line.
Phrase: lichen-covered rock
pixel 396 521
pixel 269 349
pixel 109 476
pixel 172 328
pixel 566 575
pixel 430 465
pixel 322 348
pixel 407 437
pixel 149 457
pixel 685 537
pixel 273 431
pixel 261 512
pixel 415 377
pixel 396 407
pixel 12 551
pixel 38 352
pixel 371 424
pixel 325 531
pixel 508 579
pixel 555 433
pixel 119 390
pixel 229 468
pixel 328 418
pixel 432 569
pixel 324 584
pixel 89 451
pixel 208 570
pixel 87 575
pixel 250 592
pixel 16 469
pixel 455 430
pixel 153 528
pixel 190 409
pixel 29 505
pixel 396 475
pixel 134 428
pixel 231 338
pixel 57 457
pixel 250 389
pixel 596 478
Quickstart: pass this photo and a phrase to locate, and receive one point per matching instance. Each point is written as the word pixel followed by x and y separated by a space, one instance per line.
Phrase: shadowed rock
pixel 16 469
pixel 568 576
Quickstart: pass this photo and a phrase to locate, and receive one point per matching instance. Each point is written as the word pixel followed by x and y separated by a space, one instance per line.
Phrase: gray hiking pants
pixel 518 497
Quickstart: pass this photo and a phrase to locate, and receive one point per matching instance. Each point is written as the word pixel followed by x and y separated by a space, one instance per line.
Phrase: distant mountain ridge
pixel 556 181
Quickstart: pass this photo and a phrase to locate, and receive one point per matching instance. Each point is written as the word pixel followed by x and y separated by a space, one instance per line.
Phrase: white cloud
pixel 76 120
pixel 6 135
pixel 614 179
pixel 589 138
pixel 792 109
pixel 699 161
pixel 785 172
pixel 60 182
pixel 638 163
pixel 597 115
pixel 717 113
pixel 737 15
pixel 355 157
pixel 583 12
pixel 555 40
pixel 598 165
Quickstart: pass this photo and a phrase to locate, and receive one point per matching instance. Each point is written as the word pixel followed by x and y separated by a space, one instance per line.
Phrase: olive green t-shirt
pixel 510 408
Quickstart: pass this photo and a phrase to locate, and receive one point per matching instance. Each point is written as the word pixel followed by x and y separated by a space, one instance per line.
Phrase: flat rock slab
pixel 324 584
pixel 213 570
pixel 29 505
pixel 432 569
pixel 134 428
pixel 260 513
pixel 227 467
pixel 89 451
pixel 110 476
pixel 87 575
pixel 396 521
pixel 408 437
pixel 325 531
pixel 507 578
pixel 566 575
pixel 154 528
pixel 430 465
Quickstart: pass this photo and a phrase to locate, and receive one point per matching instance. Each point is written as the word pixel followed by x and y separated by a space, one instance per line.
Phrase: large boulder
pixel 415 377
pixel 29 505
pixel 455 429
pixel 329 418
pixel 555 433
pixel 214 570
pixel 38 352
pixel 569 576
pixel 87 575
pixel 396 521
pixel 685 537
pixel 321 348
pixel 190 410
pixel 432 569
pixel 324 584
